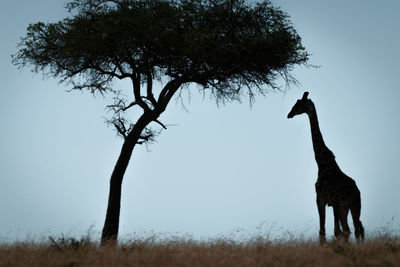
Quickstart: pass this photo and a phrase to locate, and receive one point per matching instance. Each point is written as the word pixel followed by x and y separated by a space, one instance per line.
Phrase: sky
pixel 232 170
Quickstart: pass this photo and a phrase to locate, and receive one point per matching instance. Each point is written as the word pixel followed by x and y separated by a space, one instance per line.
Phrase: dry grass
pixel 381 250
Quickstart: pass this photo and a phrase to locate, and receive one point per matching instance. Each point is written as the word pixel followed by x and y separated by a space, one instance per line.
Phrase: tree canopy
pixel 230 47
pixel 222 44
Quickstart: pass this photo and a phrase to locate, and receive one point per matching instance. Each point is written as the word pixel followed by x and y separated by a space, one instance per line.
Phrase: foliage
pixel 225 46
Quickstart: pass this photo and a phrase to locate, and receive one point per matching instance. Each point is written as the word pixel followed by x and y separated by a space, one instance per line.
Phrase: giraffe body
pixel 333 187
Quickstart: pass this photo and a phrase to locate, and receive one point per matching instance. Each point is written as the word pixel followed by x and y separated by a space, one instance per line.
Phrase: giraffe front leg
pixel 321 212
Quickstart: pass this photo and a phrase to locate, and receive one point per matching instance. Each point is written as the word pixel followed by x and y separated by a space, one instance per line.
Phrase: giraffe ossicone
pixel 333 187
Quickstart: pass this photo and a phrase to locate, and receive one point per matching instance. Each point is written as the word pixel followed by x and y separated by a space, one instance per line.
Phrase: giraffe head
pixel 302 106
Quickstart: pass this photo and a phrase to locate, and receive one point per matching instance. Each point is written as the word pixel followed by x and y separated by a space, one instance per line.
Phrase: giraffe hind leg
pixel 342 230
pixel 337 230
pixel 358 227
pixel 343 221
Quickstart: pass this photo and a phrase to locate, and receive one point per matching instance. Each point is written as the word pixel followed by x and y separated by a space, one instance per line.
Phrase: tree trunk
pixel 111 224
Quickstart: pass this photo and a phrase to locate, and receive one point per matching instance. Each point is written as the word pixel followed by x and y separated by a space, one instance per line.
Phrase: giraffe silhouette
pixel 333 187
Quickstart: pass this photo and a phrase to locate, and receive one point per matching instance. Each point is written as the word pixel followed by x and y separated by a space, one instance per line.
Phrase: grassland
pixel 380 250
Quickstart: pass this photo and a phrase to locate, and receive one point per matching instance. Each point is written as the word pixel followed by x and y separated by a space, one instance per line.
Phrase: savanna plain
pixel 381 248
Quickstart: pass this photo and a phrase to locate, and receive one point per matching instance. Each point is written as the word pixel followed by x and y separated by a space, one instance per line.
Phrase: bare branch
pixel 120 104
pixel 145 138
pixel 137 94
pixel 129 106
pixel 120 69
pixel 162 125
pixel 150 95
pixel 122 123
pixel 120 130
pixel 168 91
pixel 112 73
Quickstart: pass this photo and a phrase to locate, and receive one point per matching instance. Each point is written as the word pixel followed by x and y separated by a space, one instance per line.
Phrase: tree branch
pixel 162 125
pixel 137 94
pixel 120 130
pixel 150 95
pixel 111 73
pixel 121 69
pixel 145 138
pixel 167 93
pixel 129 106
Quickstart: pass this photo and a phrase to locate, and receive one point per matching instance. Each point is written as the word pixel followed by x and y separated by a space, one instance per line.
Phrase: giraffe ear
pixel 305 95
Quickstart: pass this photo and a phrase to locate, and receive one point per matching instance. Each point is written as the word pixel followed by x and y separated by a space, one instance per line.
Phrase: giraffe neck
pixel 323 155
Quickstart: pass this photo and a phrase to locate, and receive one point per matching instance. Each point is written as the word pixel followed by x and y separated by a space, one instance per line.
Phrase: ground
pixel 379 250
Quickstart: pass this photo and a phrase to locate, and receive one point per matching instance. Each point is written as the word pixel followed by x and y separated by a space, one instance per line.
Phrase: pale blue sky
pixel 220 169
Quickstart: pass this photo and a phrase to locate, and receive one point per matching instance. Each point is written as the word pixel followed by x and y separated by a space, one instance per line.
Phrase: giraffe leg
pixel 343 212
pixel 337 229
pixel 358 227
pixel 321 212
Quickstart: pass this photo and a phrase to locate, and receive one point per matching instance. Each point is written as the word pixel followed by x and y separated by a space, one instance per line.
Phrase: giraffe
pixel 333 187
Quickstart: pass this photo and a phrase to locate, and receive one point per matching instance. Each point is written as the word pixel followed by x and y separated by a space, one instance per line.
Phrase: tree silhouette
pixel 228 47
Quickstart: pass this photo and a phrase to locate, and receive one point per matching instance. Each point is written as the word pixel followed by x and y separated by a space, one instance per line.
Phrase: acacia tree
pixel 228 47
